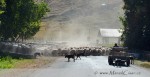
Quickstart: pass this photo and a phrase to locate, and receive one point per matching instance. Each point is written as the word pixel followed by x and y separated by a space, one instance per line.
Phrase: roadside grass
pixel 7 62
pixel 142 63
pixel 22 62
pixel 34 63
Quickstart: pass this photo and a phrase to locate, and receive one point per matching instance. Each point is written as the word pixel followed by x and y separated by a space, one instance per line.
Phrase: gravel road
pixel 91 66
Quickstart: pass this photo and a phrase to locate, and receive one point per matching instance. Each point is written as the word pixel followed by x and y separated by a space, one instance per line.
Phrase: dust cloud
pixel 78 21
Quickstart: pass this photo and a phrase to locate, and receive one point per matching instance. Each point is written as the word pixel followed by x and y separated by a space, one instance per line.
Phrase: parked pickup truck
pixel 119 53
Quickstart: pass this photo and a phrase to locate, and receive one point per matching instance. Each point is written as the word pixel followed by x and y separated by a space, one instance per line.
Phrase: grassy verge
pixel 8 62
pixel 23 67
pixel 142 63
pixel 34 63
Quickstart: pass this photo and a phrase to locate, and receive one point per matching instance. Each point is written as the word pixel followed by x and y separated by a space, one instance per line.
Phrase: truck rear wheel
pixel 110 61
pixel 128 63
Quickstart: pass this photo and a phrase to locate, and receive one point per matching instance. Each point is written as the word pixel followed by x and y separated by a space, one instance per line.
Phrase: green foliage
pixel 136 24
pixel 6 62
pixel 2 6
pixel 124 29
pixel 21 19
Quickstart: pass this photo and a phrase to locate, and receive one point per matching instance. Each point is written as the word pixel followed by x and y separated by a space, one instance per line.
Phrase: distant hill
pixel 80 19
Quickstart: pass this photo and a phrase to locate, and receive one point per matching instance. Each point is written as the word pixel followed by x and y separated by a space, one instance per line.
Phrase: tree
pixel 136 26
pixel 2 6
pixel 21 19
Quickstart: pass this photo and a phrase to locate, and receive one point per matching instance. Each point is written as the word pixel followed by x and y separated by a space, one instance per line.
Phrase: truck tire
pixel 128 62
pixel 110 61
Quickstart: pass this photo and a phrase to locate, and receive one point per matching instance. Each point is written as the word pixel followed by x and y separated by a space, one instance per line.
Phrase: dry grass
pixel 35 63
pixel 142 63
pixel 25 67
pixel 145 64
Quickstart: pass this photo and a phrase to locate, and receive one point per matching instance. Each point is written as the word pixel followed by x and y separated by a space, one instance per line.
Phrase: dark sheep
pixel 70 56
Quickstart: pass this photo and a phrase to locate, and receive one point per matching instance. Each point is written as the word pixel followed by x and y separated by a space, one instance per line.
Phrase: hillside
pixel 80 19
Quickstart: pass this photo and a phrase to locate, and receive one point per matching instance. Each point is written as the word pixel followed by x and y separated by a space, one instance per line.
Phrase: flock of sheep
pixel 51 50
pixel 93 51
pixel 76 52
